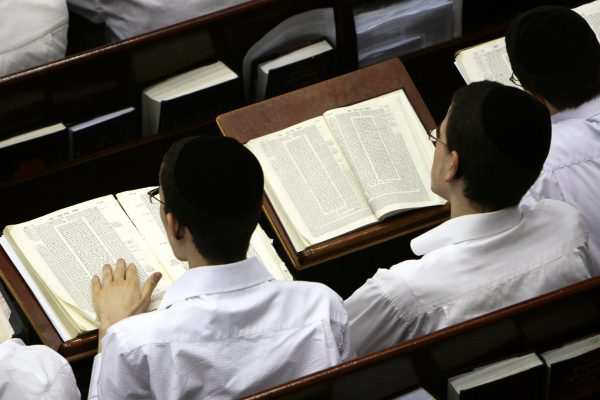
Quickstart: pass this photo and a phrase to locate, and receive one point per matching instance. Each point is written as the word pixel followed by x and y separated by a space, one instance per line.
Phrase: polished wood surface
pixel 282 111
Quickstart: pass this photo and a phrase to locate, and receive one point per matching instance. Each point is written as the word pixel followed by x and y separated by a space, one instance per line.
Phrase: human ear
pixel 452 168
pixel 173 227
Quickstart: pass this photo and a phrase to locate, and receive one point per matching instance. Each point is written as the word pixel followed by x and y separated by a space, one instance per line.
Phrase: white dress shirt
pixel 571 172
pixel 222 332
pixel 126 18
pixel 34 373
pixel 471 265
pixel 32 32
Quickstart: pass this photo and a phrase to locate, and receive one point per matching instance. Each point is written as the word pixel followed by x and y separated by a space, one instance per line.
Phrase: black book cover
pixel 34 155
pixel 525 385
pixel 103 132
pixel 203 104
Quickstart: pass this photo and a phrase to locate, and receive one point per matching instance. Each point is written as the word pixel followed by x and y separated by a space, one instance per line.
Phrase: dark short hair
pixel 502 136
pixel 214 186
pixel 555 53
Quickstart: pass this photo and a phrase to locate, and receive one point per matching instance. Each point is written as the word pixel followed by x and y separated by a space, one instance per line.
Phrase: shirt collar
pixel 466 227
pixel 584 111
pixel 216 279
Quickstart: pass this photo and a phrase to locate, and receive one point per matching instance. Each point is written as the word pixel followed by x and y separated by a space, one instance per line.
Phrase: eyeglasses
pixel 434 137
pixel 513 78
pixel 154 196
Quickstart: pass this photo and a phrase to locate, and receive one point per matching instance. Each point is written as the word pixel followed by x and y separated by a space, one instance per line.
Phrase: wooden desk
pixel 280 112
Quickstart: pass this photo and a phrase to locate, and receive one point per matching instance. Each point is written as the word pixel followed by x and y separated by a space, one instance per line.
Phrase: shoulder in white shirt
pixel 34 372
pixel 223 332
pixel 471 265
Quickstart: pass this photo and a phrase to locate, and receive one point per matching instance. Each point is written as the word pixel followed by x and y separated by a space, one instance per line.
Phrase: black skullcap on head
pixel 550 43
pixel 210 179
pixel 517 124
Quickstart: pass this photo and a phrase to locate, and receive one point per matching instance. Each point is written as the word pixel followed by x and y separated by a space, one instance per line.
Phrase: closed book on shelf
pixel 516 378
pixel 103 132
pixel 31 152
pixel 573 370
pixel 292 70
pixel 189 97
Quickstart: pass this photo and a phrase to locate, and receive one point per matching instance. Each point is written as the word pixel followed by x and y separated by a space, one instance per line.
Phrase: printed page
pixel 591 13
pixel 310 184
pixel 261 247
pixel 146 217
pixel 64 249
pixel 387 147
pixel 6 330
pixel 487 61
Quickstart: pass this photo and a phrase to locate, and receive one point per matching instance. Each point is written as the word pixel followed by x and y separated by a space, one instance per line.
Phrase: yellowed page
pixel 310 184
pixel 6 330
pixel 261 247
pixel 64 249
pixel 486 61
pixel 389 151
pixel 146 217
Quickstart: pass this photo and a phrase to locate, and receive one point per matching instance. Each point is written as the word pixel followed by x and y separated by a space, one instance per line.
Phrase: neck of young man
pixel 461 205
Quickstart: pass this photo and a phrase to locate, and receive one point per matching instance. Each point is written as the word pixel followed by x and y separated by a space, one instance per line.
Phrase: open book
pixel 57 254
pixel 489 60
pixel 349 168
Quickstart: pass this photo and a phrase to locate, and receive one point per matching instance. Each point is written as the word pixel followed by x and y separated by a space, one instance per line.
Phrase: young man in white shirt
pixel 556 57
pixel 225 328
pixel 490 148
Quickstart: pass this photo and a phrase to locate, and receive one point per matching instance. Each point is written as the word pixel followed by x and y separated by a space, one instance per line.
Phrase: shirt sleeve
pixel 374 322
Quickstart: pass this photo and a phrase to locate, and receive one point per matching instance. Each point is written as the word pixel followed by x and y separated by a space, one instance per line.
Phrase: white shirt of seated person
pixel 32 32
pixel 127 18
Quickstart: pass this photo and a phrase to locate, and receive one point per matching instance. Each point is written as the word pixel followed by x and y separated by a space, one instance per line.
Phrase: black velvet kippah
pixel 208 178
pixel 517 124
pixel 549 42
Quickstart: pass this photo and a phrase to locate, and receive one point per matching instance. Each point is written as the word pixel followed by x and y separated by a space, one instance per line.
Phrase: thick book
pixel 573 370
pixel 276 114
pixel 489 60
pixel 31 152
pixel 103 132
pixel 57 254
pixel 292 70
pixel 516 378
pixel 352 167
pixel 189 97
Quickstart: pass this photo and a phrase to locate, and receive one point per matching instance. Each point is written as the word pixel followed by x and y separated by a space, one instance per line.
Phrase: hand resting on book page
pixel 120 297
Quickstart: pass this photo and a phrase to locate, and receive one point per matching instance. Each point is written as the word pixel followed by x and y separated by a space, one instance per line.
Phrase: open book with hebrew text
pixel 347 169
pixel 489 60
pixel 57 254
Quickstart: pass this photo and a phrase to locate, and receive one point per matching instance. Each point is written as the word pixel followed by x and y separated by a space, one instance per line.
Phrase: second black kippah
pixel 548 41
